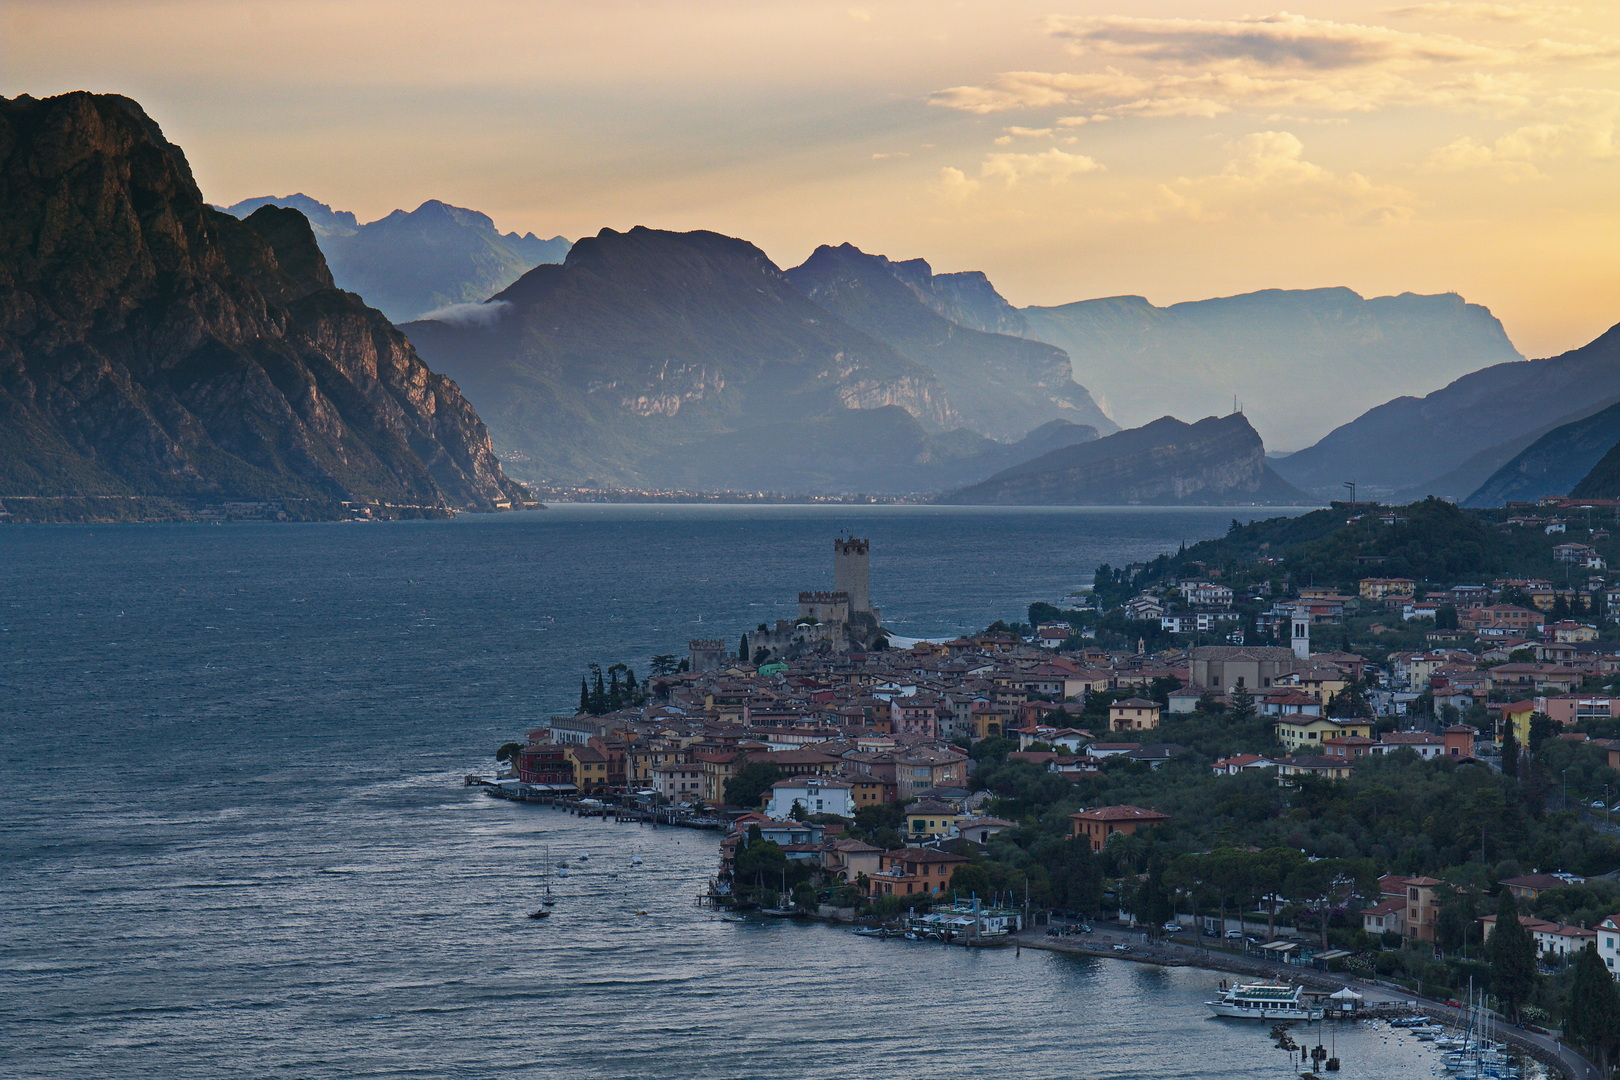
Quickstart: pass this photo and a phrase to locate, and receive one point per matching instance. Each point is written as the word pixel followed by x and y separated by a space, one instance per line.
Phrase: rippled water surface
pixel 234 841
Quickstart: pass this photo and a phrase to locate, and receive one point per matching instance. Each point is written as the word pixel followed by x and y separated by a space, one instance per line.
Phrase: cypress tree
pixel 584 696
pixel 1592 1013
pixel 742 648
pixel 1512 953
pixel 1510 754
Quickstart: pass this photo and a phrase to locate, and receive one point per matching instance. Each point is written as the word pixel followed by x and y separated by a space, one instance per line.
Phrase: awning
pixel 1279 948
pixel 1346 994
pixel 1334 954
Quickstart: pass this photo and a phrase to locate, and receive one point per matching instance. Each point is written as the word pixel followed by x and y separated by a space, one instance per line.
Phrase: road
pixel 1185 953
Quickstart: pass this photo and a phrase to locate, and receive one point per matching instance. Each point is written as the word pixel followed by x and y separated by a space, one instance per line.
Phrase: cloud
pixel 1516 155
pixel 486 314
pixel 955 186
pixel 1204 69
pixel 1274 41
pixel 1268 178
pixel 890 154
pixel 1054 166
pixel 1480 11
pixel 1029 133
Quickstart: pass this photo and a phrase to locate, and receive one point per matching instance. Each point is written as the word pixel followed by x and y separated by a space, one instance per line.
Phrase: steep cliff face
pixel 1003 386
pixel 152 346
pixel 410 263
pixel 1217 461
pixel 620 365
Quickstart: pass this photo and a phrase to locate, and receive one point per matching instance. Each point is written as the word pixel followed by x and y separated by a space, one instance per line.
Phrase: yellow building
pixel 928 819
pixel 590 768
pixel 1301 732
pixel 1374 588
pixel 1516 718
pixel 1133 714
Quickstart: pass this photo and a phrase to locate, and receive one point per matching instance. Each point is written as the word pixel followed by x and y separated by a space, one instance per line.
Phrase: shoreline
pixel 1549 1051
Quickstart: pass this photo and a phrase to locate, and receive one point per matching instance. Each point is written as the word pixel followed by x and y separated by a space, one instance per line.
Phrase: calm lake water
pixel 233 840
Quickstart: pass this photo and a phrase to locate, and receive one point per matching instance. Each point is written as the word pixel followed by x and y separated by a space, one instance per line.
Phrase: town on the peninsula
pixel 1351 745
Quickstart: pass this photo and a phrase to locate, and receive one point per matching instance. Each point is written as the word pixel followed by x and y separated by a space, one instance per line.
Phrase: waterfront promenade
pixel 1547 1049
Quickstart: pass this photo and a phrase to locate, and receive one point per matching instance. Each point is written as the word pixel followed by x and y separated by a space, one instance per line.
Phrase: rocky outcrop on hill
pixel 151 346
pixel 1217 461
pixel 409 264
pixel 1449 442
pixel 622 365
pixel 1001 386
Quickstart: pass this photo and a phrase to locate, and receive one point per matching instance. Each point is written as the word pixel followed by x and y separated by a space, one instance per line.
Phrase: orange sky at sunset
pixel 1070 150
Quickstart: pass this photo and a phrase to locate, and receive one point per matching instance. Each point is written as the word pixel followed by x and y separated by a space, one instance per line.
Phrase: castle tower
pixel 852 572
pixel 1302 634
pixel 707 654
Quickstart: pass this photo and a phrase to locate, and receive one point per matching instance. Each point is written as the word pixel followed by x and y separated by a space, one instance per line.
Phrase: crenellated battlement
pixel 705 643
pixel 824 597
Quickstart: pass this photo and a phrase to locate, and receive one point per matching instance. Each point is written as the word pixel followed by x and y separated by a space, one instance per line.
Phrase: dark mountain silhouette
pixel 1217 461
pixel 151 346
pixel 1449 442
pixel 1555 463
pixel 1001 386
pixel 409 264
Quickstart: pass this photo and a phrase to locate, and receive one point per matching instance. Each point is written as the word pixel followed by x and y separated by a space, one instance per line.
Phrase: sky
pixel 1173 149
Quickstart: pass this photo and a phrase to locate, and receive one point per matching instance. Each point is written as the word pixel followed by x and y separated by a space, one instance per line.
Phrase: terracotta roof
pixel 1119 813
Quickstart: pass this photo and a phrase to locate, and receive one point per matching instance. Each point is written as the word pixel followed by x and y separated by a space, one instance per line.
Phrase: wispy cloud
pixel 1481 11
pixel 1278 41
pixel 1268 178
pixel 485 314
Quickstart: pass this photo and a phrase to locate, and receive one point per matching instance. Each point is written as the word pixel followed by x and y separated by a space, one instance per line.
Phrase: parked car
pixel 1235 935
pixel 1172 928
pixel 1121 947
pixel 1597 804
pixel 1085 928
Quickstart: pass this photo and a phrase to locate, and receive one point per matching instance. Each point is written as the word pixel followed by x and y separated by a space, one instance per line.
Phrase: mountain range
pixel 409 264
pixel 1218 460
pixel 1450 442
pixel 1299 360
pixel 660 359
pixel 154 347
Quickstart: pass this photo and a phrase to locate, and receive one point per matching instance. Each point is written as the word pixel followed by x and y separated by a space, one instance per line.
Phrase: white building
pixel 1608 943
pixel 815 794
pixel 679 783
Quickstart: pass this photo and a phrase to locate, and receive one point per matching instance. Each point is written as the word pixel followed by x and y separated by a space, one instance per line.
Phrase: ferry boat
pixel 1264 1001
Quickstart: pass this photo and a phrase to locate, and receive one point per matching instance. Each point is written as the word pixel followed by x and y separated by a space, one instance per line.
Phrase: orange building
pixel 913 870
pixel 1099 824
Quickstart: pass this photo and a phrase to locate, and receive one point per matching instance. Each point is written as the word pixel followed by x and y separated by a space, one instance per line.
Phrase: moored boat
pixel 1264 1001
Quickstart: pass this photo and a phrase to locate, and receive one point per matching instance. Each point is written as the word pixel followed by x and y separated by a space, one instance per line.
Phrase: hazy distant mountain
pixel 879 451
pixel 1555 463
pixel 1450 442
pixel 1300 361
pixel 1001 386
pixel 1217 461
pixel 151 346
pixel 409 264
pixel 619 366
pixel 1603 482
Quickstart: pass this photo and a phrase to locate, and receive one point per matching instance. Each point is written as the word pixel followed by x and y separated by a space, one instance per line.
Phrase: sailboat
pixel 545 872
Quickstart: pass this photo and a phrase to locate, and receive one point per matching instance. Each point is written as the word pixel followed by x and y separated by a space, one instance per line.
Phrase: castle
pixel 834 621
